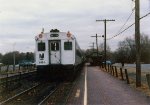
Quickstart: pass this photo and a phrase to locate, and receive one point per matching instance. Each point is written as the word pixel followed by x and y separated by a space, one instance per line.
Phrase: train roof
pixel 54 35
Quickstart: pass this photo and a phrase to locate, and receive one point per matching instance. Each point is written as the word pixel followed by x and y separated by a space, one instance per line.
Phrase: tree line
pixel 8 58
pixel 126 51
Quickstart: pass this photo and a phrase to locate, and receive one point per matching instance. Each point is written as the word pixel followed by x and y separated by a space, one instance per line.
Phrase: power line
pixel 145 15
pixel 121 32
pixel 126 21
pixel 127 27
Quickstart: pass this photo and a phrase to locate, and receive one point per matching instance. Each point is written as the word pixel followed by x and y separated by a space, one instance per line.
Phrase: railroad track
pixel 17 95
pixel 42 94
pixel 63 93
pixel 36 95
pixel 46 98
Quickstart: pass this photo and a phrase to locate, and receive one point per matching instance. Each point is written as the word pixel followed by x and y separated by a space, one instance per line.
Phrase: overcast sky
pixel 21 20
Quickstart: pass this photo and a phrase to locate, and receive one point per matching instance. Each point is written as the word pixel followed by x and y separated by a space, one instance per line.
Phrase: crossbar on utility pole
pixel 105 20
pixel 96 42
pixel 137 43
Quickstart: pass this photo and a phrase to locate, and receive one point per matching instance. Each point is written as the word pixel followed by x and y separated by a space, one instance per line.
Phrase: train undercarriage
pixel 58 72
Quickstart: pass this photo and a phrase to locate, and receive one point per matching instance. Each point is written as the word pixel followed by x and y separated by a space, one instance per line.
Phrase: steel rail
pixel 17 95
pixel 46 98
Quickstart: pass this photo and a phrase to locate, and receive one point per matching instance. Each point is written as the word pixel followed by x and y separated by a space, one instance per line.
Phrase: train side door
pixel 54 47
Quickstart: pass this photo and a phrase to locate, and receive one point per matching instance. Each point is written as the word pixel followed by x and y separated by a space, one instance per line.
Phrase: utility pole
pixel 105 20
pixel 137 43
pixel 14 57
pixel 96 43
pixel 92 46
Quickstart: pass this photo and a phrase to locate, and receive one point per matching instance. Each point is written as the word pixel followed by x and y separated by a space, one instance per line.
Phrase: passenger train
pixel 57 54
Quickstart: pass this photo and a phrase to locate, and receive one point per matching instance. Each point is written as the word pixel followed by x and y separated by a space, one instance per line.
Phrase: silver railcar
pixel 57 53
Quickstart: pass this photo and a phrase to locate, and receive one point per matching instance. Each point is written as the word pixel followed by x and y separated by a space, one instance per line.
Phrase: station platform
pixel 96 87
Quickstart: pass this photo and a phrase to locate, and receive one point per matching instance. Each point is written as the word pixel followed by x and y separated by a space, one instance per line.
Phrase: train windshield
pixel 55 46
pixel 41 46
pixel 67 45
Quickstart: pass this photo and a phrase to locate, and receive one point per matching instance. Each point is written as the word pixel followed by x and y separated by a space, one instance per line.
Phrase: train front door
pixel 54 47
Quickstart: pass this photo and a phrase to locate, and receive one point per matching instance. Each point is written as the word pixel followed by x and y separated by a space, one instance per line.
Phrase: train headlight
pixel 40 35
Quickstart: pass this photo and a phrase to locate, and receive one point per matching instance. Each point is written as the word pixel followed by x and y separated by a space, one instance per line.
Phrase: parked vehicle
pixel 108 62
pixel 24 63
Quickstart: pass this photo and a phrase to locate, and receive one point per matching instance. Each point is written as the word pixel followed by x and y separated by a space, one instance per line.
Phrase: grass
pixel 132 78
pixel 10 71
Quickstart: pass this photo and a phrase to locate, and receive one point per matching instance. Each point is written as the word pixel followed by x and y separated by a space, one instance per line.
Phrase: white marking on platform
pixel 85 87
pixel 77 93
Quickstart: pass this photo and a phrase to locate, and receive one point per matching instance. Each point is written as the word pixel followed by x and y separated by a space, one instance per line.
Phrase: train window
pixel 55 46
pixel 67 45
pixel 41 46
